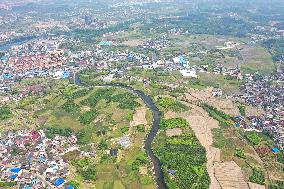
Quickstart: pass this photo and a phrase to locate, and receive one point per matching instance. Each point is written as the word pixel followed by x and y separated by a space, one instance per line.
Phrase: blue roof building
pixel 238 117
pixel 106 43
pixel 7 76
pixel 182 60
pixel 65 75
pixel 70 187
pixel 130 57
pixel 237 124
pixel 172 172
pixel 42 159
pixel 275 150
pixel 35 181
pixel 59 182
pixel 15 170
pixel 4 59
pixel 30 158
pixel 13 176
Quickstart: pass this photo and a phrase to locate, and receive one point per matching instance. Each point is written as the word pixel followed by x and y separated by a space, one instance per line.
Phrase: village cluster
pixel 44 58
pixel 30 159
pixel 266 92
pixel 39 58
pixel 33 160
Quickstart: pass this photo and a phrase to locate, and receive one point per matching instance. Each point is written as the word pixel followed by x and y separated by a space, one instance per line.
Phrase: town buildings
pixel 33 160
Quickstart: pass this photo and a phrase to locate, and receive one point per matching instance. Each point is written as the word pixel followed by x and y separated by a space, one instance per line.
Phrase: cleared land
pixel 226 105
pixel 133 43
pixel 139 117
pixel 256 58
pixel 221 173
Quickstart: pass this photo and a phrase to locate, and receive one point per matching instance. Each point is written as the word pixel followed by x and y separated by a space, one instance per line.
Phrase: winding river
pixel 152 134
pixel 149 103
pixel 9 44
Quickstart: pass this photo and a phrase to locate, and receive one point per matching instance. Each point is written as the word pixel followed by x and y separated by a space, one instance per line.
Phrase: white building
pixel 189 73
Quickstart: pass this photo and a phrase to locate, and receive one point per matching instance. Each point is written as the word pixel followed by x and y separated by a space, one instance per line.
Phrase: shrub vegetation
pixel 257 176
pixel 170 104
pixel 186 158
pixel 86 168
pixel 5 112
pixel 253 138
pixel 173 123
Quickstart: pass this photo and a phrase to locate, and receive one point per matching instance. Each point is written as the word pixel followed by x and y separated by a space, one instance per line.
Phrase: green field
pixel 257 59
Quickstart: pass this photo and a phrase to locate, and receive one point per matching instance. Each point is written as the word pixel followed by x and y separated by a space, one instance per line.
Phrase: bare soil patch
pixel 173 132
pixel 230 175
pixel 139 117
pixel 133 42
pixel 223 104
pixel 254 111
pixel 256 186
pixel 256 58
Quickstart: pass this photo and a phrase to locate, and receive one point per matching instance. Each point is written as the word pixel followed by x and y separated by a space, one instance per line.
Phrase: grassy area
pixel 224 120
pixel 250 150
pixel 173 123
pixel 232 142
pixel 114 111
pixel 220 81
pixel 253 137
pixel 124 173
pixel 58 111
pixel 7 184
pixel 169 104
pixel 275 184
pixel 5 112
pixel 263 143
pixel 257 176
pixel 257 59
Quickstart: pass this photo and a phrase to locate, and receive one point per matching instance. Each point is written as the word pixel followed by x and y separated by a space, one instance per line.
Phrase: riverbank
pixel 5 46
pixel 159 177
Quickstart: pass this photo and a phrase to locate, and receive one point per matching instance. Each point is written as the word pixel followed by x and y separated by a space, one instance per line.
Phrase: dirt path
pixel 202 124
pixel 256 186
pixel 227 175
pixel 223 175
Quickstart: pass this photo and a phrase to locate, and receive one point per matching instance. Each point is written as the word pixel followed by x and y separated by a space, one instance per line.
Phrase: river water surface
pixel 159 177
pixel 151 136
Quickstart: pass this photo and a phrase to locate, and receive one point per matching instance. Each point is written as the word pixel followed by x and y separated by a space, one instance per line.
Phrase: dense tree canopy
pixel 5 112
pixel 174 152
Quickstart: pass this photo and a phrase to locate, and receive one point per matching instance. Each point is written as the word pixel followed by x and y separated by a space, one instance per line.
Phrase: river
pixel 152 134
pixel 159 177
pixel 149 103
pixel 9 44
